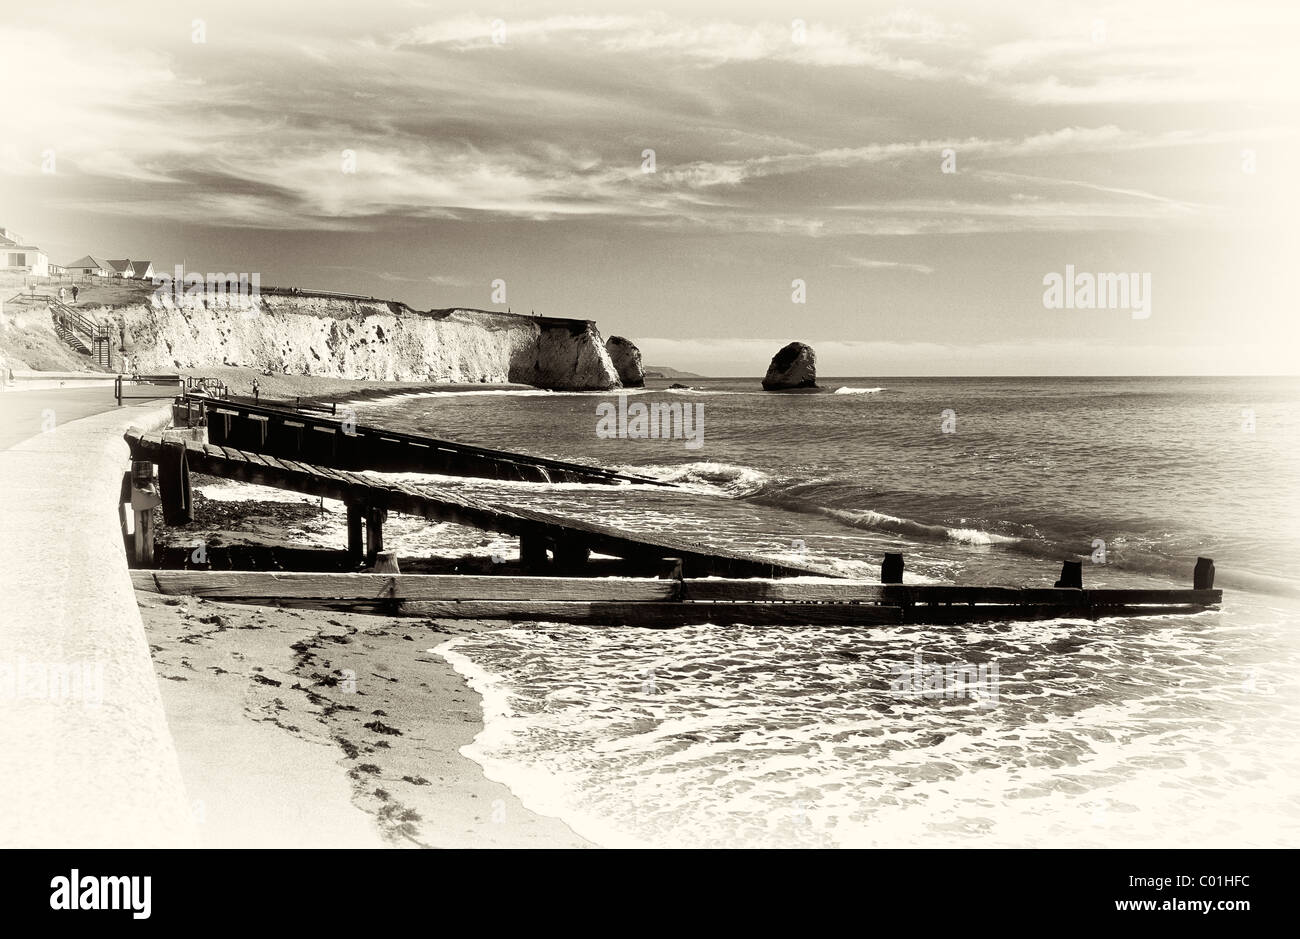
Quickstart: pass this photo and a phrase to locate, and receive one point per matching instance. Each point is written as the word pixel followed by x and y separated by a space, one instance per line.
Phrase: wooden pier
pixel 327 440
pixel 570 542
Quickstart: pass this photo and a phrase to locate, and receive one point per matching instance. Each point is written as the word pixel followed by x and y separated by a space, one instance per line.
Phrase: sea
pixel 1154 731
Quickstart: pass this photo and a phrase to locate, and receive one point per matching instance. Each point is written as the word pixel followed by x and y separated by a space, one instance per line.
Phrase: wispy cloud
pixel 872 264
pixel 551 122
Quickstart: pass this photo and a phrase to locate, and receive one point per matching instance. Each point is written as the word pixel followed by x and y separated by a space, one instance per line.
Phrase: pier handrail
pixel 69 317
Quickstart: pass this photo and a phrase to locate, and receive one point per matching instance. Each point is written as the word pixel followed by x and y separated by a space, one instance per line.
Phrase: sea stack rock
pixel 627 361
pixel 795 366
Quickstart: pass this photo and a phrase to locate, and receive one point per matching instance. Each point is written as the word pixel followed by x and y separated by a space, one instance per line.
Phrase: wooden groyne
pixel 569 542
pixel 667 602
pixel 327 440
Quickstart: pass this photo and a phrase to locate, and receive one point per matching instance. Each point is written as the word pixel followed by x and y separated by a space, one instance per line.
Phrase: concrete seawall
pixel 89 761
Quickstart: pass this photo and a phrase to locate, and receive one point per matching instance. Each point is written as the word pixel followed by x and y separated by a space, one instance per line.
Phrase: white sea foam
pixel 752 736
pixel 228 490
pixel 708 477
pixel 868 518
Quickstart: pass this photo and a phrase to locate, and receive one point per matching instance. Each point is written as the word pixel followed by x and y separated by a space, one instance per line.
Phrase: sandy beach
pixel 315 728
pixel 305 728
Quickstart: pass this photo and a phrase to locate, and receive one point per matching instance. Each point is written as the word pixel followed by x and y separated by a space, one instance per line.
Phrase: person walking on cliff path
pixel 75 290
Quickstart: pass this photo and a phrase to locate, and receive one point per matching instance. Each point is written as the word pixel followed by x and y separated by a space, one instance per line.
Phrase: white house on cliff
pixel 19 258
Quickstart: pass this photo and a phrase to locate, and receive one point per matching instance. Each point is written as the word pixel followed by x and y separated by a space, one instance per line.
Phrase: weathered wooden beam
pixel 907 594
pixel 1001 600
pixel 660 615
pixel 246 585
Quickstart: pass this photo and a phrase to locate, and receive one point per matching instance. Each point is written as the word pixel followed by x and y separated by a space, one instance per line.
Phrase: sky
pixel 910 172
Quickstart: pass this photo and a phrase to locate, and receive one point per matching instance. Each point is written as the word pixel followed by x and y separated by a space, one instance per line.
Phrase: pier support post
pixel 356 538
pixel 571 555
pixel 891 569
pixel 375 518
pixel 532 552
pixel 1203 576
pixel 385 563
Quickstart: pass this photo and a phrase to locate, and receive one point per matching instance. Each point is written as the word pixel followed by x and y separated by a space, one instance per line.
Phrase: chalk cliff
pixel 627 359
pixel 349 338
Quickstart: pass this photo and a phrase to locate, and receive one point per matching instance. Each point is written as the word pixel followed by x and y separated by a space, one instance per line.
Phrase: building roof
pixel 120 266
pixel 89 261
pixel 140 268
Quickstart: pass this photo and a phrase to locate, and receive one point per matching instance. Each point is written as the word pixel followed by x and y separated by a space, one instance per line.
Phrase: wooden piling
pixel 891 569
pixel 356 533
pixel 571 555
pixel 174 483
pixel 1071 575
pixel 532 552
pixel 1203 576
pixel 375 518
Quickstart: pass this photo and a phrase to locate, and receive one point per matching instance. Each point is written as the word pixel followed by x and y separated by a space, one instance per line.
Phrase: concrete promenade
pixel 88 759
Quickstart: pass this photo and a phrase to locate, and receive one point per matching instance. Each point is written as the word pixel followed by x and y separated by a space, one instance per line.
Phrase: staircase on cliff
pixel 81 333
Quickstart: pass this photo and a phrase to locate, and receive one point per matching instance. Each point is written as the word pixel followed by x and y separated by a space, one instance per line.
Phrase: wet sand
pixel 306 728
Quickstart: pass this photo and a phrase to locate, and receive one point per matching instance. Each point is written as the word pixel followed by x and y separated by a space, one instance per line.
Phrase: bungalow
pixel 142 270
pixel 90 266
pixel 19 258
pixel 121 268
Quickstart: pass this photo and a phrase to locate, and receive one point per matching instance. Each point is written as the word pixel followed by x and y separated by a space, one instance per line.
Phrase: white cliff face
pixel 324 336
pixel 627 360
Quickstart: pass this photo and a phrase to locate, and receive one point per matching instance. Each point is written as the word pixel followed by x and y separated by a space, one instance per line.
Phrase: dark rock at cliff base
pixel 795 366
pixel 627 361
